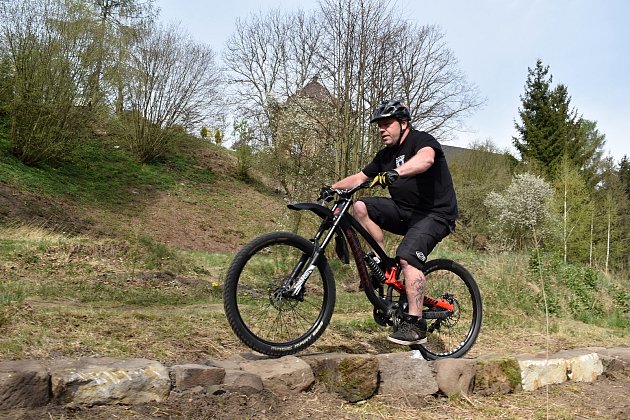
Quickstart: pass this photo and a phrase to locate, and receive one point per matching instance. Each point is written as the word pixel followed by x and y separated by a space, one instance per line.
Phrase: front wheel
pixel 455 334
pixel 261 313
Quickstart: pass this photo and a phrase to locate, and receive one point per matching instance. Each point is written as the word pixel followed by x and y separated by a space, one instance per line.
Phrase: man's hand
pixel 385 179
pixel 327 193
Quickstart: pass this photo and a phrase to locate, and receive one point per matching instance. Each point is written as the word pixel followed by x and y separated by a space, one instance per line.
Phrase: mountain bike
pixel 279 291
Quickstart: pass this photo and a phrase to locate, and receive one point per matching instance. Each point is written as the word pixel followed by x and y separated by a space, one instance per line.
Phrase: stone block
pixel 497 375
pixel 405 373
pixel 572 365
pixel 94 381
pixel 285 376
pixel 352 377
pixel 191 375
pixel 455 376
pixel 242 382
pixel 23 384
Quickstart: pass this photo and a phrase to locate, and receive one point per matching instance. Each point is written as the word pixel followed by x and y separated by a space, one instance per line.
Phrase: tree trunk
pixel 590 253
pixel 564 227
pixel 608 242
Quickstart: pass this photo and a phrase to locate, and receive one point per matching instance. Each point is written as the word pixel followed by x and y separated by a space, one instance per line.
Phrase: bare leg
pixel 415 283
pixel 361 214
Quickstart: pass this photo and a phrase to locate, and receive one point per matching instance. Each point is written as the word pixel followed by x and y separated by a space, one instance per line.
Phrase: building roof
pixel 315 90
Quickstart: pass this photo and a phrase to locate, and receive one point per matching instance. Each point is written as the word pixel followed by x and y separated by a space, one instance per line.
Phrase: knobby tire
pixel 272 325
pixel 454 336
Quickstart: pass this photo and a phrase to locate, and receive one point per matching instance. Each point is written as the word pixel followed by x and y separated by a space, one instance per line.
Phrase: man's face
pixel 390 130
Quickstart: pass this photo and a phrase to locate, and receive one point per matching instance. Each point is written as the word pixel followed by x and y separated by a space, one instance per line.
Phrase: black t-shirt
pixel 430 192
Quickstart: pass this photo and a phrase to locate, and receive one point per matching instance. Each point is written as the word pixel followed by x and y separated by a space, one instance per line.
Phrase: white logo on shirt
pixel 400 160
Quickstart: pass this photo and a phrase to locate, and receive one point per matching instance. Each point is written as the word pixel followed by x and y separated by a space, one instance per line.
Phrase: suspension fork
pixel 295 288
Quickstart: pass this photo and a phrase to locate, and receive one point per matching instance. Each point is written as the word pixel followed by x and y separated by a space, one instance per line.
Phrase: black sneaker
pixel 412 330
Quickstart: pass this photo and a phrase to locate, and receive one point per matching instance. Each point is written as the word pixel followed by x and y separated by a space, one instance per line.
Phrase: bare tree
pixel 356 35
pixel 431 82
pixel 44 50
pixel 111 23
pixel 269 56
pixel 363 53
pixel 173 80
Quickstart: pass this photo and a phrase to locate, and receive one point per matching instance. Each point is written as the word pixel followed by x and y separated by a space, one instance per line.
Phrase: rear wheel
pixel 450 334
pixel 261 312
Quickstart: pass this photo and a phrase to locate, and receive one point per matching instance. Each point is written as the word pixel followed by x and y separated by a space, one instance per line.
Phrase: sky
pixel 585 43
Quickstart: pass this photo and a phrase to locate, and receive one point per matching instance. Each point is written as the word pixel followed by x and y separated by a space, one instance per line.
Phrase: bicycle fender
pixel 318 209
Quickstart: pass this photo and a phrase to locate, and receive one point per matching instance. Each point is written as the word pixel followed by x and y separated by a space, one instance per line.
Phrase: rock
pixel 191 375
pixel 23 384
pixel 616 361
pixel 620 353
pixel 235 361
pixel 352 377
pixel 497 375
pixel 572 365
pixel 92 381
pixel 242 382
pixel 285 376
pixel 455 376
pixel 225 364
pixel 405 373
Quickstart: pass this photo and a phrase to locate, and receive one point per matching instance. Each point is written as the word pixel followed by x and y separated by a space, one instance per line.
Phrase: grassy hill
pixel 102 256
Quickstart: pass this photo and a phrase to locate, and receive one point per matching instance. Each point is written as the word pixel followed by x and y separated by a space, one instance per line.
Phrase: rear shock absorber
pixel 370 261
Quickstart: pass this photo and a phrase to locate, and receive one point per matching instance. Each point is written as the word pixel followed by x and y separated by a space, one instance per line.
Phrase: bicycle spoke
pixel 454 335
pixel 283 318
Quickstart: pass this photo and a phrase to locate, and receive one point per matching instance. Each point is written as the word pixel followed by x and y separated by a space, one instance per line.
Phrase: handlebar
pixel 351 191
pixel 345 193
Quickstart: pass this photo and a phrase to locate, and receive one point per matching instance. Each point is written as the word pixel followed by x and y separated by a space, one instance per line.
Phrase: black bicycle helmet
pixel 391 109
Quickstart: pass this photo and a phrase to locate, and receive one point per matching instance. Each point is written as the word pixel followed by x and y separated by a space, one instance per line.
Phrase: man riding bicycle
pixel 422 207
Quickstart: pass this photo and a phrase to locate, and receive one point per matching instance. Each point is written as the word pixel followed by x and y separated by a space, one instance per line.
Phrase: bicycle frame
pixel 271 309
pixel 337 220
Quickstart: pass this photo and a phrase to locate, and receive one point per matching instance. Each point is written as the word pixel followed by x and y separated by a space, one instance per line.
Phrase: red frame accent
pixel 390 278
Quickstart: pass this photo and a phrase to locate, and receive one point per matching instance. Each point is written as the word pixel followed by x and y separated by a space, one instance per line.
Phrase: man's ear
pixel 404 124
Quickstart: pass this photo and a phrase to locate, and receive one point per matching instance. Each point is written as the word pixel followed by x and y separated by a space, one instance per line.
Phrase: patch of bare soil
pixel 25 207
pixel 215 219
pixel 220 219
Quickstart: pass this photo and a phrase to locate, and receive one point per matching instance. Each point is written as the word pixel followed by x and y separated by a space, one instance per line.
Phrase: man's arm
pixel 350 181
pixel 420 162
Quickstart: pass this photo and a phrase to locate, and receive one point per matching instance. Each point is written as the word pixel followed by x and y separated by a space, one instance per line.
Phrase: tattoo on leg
pixel 419 284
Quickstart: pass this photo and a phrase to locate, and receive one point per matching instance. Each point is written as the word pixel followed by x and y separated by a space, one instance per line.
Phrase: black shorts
pixel 421 232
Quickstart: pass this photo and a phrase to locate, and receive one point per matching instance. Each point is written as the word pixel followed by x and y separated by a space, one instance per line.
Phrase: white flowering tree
pixel 522 212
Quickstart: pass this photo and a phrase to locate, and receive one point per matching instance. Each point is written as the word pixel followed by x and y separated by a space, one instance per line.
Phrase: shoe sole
pixel 407 343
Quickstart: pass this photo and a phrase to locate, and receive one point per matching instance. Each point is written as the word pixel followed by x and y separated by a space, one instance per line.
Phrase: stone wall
pixel 100 381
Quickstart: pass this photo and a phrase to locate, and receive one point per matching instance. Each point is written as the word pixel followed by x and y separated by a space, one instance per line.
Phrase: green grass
pixel 100 173
pixel 11 291
pixel 93 298
pixel 131 294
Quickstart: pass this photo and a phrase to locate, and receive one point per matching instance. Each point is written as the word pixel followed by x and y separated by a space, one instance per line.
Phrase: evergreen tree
pixel 624 174
pixel 549 128
pixel 590 159
pixel 535 116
